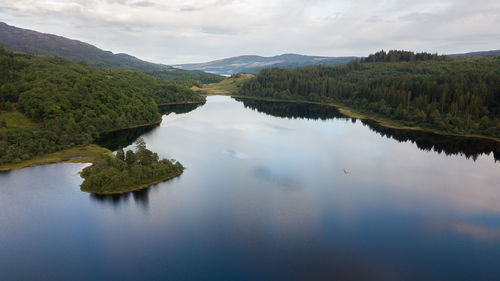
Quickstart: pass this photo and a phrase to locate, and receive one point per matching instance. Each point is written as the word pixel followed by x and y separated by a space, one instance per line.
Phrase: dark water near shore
pixel 272 191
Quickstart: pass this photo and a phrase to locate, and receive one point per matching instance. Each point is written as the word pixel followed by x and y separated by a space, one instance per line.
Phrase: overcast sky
pixel 173 32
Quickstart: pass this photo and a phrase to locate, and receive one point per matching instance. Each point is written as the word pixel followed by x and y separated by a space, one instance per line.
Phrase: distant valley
pixel 252 64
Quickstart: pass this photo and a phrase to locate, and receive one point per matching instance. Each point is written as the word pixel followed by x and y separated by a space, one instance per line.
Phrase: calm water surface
pixel 271 192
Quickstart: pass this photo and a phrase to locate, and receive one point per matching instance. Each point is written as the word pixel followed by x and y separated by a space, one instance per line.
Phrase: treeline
pixel 449 145
pixel 454 95
pixel 186 77
pixel 402 56
pixel 128 171
pixel 74 103
pixel 176 92
pixel 293 110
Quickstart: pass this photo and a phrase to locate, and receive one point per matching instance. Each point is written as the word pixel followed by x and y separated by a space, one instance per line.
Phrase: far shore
pixel 181 103
pixel 385 122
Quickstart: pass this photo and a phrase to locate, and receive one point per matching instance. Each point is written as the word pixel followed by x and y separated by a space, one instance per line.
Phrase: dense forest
pixel 400 56
pixel 186 77
pixel 71 104
pixel 128 171
pixel 460 96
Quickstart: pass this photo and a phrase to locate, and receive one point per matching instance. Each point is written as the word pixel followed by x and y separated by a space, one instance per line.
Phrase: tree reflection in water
pixel 470 147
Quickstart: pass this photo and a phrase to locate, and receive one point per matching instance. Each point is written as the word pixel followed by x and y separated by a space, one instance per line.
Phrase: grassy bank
pixel 87 154
pixel 83 154
pixel 15 119
pixel 225 87
pixel 79 154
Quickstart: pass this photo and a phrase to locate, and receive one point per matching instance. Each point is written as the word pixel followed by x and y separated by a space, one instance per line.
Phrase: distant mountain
pixel 36 43
pixel 252 64
pixel 476 54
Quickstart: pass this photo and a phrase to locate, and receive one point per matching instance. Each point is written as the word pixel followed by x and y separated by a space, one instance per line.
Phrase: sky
pixel 173 32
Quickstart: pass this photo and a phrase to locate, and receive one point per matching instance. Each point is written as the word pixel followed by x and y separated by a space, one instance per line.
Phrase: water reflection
pixel 123 138
pixel 286 181
pixel 126 137
pixel 179 108
pixel 262 198
pixel 111 199
pixel 450 145
pixel 140 197
pixel 293 109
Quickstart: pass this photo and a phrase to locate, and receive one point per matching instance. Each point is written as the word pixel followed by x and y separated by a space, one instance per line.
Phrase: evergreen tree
pixel 130 157
pixel 120 154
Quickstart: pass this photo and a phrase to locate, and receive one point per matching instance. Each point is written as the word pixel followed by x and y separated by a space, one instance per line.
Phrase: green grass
pixel 16 119
pixel 81 154
pixel 226 87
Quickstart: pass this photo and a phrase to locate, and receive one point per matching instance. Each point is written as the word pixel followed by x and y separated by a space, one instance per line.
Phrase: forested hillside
pixel 43 44
pixel 460 96
pixel 67 103
pixel 186 77
pixel 402 56
pixel 37 43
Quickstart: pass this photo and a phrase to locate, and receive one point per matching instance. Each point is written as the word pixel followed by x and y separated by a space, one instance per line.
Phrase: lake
pixel 272 191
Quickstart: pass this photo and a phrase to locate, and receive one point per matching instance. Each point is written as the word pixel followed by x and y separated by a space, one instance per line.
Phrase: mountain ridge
pixel 253 63
pixel 45 44
pixel 475 54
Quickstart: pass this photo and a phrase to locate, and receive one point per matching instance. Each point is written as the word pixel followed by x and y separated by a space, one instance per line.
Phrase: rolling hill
pixel 252 64
pixel 36 43
pixel 476 54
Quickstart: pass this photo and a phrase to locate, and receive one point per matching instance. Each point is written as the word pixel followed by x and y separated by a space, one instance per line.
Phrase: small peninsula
pixel 128 171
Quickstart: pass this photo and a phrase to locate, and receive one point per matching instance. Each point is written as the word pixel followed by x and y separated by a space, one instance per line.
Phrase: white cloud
pixel 192 31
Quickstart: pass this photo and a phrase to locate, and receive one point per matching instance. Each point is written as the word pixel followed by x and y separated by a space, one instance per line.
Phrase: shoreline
pixel 75 154
pixel 134 127
pixel 352 113
pixel 79 154
pixel 139 187
pixel 85 154
pixel 229 88
pixel 82 154
pixel 181 103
